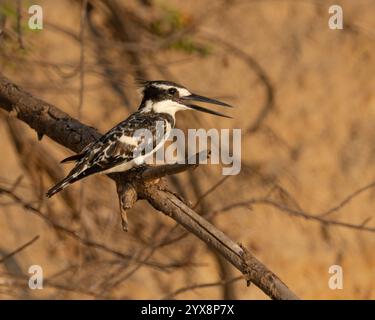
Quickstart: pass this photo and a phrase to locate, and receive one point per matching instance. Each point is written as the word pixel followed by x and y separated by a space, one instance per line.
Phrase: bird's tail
pixel 79 172
pixel 60 186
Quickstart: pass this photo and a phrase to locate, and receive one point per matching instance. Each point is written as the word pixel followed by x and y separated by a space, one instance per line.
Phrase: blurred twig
pixel 210 190
pixel 299 213
pixel 24 246
pixel 33 158
pixel 19 24
pixel 260 72
pixel 201 286
pixel 73 234
pixel 82 58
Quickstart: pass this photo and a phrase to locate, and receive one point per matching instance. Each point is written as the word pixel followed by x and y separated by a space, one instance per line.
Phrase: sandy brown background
pixel 316 144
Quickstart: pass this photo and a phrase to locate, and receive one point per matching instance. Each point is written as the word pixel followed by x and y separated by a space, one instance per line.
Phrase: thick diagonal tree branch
pixel 48 120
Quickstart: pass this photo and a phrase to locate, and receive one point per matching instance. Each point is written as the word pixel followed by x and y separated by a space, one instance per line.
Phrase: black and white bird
pixel 116 150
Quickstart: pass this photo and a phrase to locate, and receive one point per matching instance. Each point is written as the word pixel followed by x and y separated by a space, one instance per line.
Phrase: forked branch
pixel 144 183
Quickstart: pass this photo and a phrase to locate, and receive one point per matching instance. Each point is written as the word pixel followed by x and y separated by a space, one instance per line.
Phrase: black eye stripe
pixel 172 91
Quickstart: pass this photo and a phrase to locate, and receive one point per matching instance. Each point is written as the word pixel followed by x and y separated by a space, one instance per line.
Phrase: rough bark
pixel 144 183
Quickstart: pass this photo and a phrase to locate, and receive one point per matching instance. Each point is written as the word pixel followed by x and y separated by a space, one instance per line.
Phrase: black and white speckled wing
pixel 120 149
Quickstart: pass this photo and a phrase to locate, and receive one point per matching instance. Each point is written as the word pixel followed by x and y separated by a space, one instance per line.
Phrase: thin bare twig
pixel 82 87
pixel 73 234
pixel 210 190
pixel 19 24
pixel 259 71
pixel 299 213
pixel 24 246
pixel 82 58
pixel 348 199
pixel 201 286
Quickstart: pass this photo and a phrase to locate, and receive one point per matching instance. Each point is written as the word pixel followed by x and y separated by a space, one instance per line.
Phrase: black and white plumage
pixel 120 149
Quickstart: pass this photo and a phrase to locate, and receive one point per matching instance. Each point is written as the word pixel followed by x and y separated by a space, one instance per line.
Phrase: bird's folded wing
pixel 130 139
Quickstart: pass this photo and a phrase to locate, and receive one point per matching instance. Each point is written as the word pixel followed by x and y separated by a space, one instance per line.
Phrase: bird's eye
pixel 172 91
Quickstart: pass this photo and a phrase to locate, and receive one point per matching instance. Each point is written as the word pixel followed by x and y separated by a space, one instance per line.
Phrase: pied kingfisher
pixel 115 150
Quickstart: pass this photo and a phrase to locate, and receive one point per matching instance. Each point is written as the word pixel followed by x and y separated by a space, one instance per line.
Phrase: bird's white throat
pixel 166 106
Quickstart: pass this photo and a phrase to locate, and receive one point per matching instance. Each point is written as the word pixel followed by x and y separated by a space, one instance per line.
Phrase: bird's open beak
pixel 194 97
